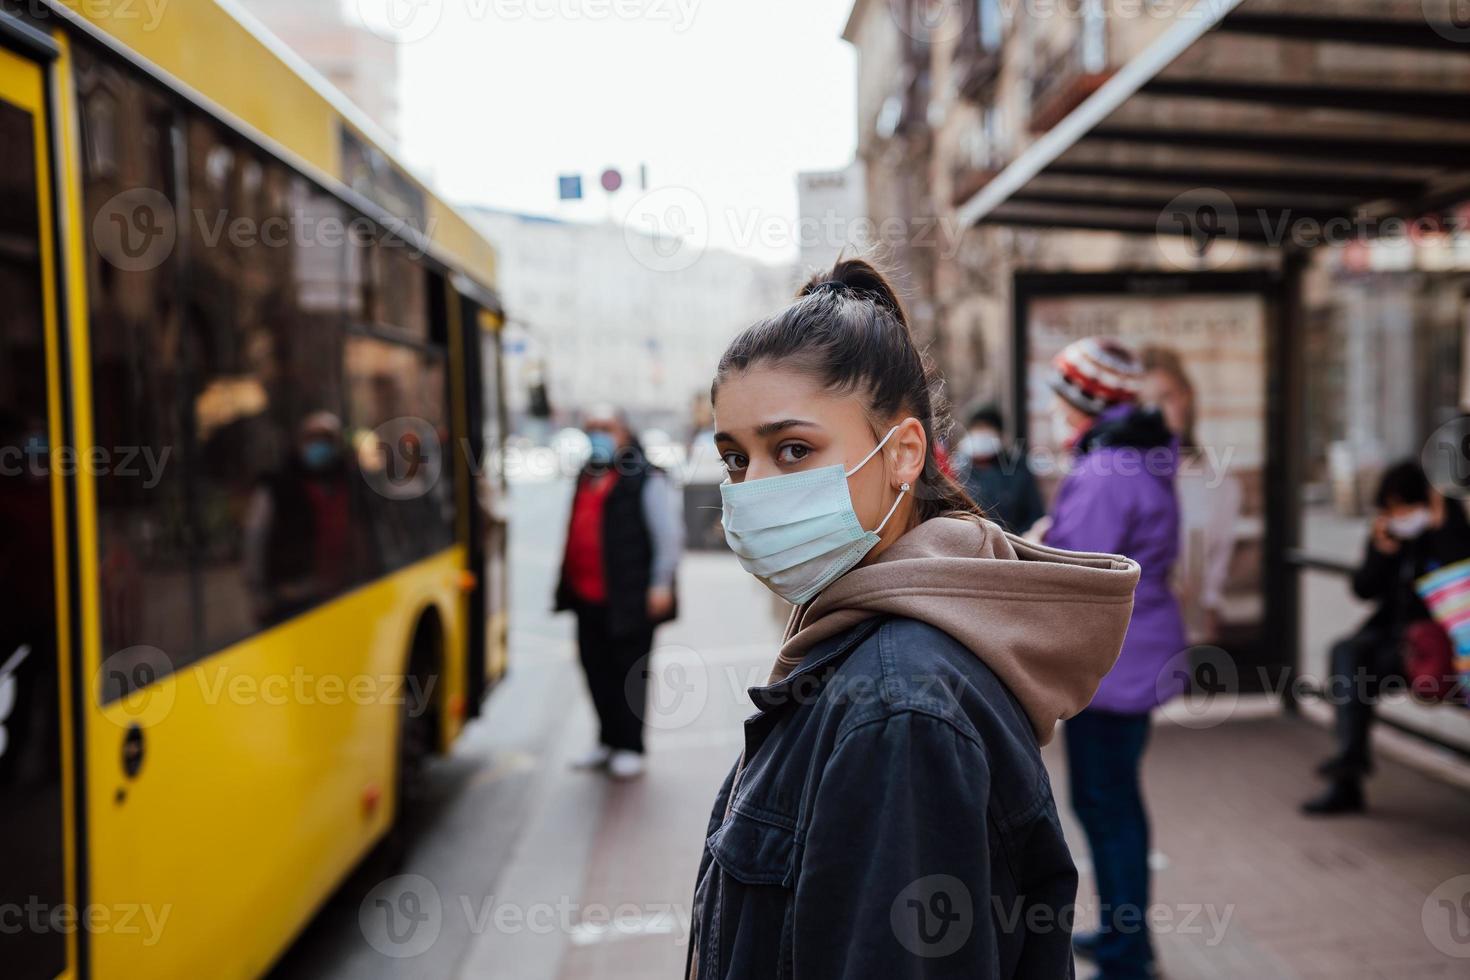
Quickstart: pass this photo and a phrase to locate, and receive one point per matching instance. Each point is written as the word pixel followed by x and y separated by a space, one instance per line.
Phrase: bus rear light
pixel 371 797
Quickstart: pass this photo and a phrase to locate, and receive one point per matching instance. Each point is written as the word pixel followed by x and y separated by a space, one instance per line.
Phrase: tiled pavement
pixel 1341 898
pixel 1245 887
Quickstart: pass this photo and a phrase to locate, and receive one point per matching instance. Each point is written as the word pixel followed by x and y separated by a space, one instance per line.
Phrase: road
pixel 525 869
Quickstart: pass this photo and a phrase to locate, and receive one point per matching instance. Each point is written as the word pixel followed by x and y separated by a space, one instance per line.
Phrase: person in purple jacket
pixel 1118 498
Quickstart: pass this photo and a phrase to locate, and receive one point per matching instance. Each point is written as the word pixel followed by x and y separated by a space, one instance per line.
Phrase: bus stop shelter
pixel 1250 124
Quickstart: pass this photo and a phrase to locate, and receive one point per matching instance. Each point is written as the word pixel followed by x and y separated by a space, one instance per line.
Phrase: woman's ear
pixel 906 452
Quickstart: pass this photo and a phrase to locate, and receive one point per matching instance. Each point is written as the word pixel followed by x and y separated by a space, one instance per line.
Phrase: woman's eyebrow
pixel 767 428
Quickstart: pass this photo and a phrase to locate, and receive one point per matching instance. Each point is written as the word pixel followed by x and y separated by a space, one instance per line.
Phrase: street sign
pixel 611 180
pixel 569 187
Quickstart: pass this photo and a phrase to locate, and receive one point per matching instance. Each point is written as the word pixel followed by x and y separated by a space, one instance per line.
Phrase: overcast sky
pixel 728 98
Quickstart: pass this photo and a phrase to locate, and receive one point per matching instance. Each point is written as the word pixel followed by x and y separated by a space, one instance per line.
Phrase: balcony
pixel 906 112
pixel 1063 78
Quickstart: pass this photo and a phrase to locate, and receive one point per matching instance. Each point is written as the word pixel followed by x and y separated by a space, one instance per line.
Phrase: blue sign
pixel 569 187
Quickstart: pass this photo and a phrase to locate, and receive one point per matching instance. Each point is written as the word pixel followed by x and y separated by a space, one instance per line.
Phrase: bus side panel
pixel 265 775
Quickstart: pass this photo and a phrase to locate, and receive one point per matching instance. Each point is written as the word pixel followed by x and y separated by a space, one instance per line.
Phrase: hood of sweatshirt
pixel 1049 623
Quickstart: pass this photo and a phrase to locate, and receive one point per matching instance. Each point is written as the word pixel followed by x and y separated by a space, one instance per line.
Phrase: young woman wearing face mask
pixel 890 814
pixel 1415 532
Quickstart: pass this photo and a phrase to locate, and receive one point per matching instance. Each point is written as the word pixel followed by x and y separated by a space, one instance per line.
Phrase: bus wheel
pixel 418 727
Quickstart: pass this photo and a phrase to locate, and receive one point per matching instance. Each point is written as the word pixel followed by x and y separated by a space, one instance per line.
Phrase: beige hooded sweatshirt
pixel 1048 623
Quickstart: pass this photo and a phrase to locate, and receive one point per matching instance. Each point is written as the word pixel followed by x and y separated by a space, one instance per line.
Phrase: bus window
pixel 137 360
pixel 399 304
pixel 398 418
pixel 277 528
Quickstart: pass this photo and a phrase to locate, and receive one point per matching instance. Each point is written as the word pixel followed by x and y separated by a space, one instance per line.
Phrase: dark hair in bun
pixel 848 329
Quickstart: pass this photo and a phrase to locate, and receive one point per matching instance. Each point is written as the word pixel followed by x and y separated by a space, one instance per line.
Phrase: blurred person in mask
pixel 996 477
pixel 1415 532
pixel 1209 500
pixel 304 536
pixel 1118 498
pixel 624 539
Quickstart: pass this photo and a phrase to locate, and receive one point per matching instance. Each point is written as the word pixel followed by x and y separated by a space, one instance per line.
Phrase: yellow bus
pixel 250 574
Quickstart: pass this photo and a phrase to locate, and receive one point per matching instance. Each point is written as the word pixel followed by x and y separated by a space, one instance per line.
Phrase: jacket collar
pixel 773 696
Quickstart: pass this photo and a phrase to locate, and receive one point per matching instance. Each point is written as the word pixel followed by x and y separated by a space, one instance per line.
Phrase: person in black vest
pixel 1415 532
pixel 623 544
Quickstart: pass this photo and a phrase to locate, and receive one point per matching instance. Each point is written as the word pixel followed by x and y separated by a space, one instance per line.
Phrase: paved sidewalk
pixel 1340 898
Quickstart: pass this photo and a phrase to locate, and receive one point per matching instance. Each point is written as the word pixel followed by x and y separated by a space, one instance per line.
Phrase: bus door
pixel 36 917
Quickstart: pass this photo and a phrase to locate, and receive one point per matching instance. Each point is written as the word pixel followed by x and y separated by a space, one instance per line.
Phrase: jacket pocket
pixel 755 850
pixel 750 921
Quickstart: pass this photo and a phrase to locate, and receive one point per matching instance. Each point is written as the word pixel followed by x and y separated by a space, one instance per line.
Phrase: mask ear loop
pixel 881 443
pixel 903 488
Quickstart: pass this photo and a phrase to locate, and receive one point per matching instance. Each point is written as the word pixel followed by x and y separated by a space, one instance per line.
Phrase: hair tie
pixel 831 286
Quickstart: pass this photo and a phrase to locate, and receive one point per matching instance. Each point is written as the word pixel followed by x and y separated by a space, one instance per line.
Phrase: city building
pixel 1268 194
pixel 592 320
pixel 833 209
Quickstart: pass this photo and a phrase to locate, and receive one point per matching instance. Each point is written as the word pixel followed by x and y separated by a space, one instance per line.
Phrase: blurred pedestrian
pixel 996 477
pixel 1415 532
pixel 306 530
pixel 1118 498
pixel 618 570
pixel 1209 502
pixel 890 816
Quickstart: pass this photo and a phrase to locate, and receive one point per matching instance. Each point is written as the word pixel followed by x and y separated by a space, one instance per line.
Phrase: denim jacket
pixel 892 818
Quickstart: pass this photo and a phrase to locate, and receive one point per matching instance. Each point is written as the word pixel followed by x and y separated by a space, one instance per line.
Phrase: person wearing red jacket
pixel 622 552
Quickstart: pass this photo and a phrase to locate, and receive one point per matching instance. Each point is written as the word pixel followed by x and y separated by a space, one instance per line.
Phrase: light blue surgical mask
pixel 603 447
pixel 318 454
pixel 798 533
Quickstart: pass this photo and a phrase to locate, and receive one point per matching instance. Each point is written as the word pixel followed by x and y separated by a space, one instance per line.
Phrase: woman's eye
pixel 734 462
pixel 792 452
